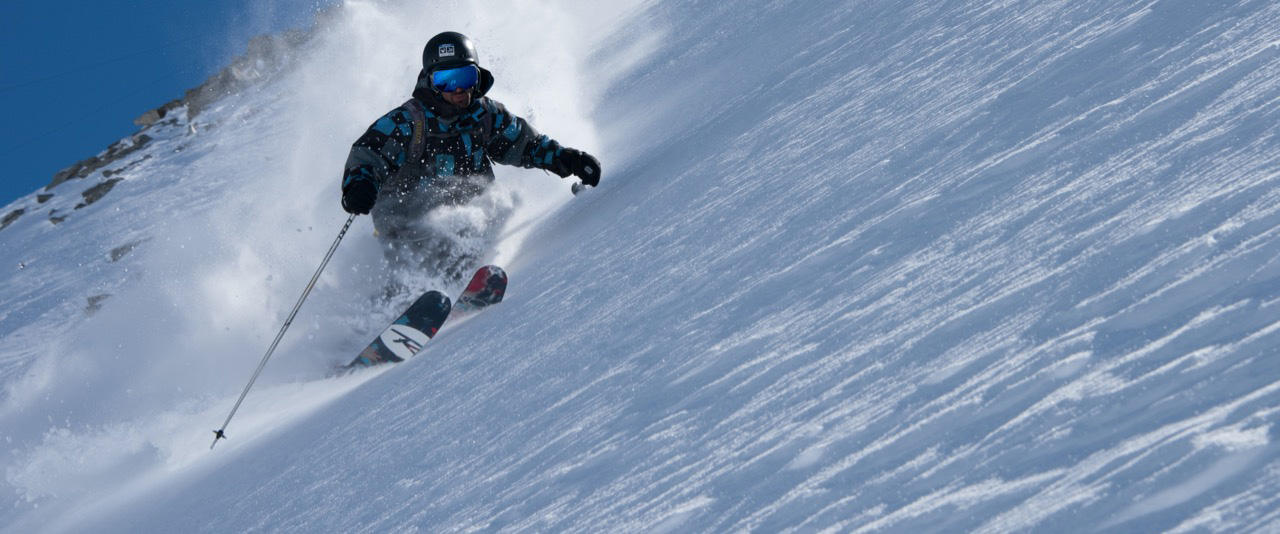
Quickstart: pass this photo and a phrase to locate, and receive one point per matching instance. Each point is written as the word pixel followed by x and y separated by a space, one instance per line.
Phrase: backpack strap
pixel 487 123
pixel 419 142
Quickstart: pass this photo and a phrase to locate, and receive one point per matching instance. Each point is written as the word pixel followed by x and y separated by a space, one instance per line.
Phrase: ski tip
pixel 490 271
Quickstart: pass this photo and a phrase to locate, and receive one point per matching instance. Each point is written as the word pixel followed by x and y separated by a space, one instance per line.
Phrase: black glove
pixel 359 196
pixel 578 163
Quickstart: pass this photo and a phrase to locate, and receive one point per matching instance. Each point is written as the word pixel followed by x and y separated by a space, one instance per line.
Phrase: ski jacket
pixel 426 153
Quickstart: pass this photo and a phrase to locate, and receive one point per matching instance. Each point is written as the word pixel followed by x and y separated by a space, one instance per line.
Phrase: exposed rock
pixel 55 219
pixel 124 250
pixel 95 193
pixel 117 150
pixel 156 115
pixel 12 216
pixel 108 173
pixel 95 303
pixel 43 197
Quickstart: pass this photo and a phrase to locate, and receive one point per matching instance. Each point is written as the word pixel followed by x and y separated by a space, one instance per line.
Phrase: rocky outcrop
pixel 95 303
pixel 95 193
pixel 265 57
pixel 11 217
pixel 108 173
pixel 156 115
pixel 124 250
pixel 117 150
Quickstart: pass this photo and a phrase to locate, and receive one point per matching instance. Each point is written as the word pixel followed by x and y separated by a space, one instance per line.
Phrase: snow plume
pixel 234 210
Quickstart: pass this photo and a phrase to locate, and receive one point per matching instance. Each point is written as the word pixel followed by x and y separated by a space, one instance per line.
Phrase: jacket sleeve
pixel 380 153
pixel 517 143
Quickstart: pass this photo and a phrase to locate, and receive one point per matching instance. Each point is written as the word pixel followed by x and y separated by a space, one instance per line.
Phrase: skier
pixel 437 149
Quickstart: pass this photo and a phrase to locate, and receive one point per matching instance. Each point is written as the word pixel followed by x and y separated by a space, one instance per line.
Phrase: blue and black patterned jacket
pixel 458 152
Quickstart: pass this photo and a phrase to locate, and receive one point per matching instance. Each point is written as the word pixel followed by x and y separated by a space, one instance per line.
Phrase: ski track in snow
pixel 854 267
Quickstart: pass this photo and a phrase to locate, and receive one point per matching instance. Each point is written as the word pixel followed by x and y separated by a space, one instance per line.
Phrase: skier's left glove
pixel 578 163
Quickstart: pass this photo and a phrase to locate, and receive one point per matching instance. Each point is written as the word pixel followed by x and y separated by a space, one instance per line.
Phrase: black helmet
pixel 448 50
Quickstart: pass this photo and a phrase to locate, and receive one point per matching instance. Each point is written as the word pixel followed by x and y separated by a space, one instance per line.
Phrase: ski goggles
pixel 450 80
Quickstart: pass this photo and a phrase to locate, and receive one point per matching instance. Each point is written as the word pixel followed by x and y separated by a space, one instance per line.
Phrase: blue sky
pixel 74 75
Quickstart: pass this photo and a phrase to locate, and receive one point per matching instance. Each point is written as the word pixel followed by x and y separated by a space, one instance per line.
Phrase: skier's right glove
pixel 359 196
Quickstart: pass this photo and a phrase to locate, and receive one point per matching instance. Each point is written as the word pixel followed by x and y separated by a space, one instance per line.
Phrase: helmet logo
pixel 446 50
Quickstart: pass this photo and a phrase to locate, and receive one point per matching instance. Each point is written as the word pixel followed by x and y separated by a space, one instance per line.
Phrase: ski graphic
pixel 410 332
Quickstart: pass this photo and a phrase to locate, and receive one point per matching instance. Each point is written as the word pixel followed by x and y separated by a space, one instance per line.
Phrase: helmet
pixel 448 50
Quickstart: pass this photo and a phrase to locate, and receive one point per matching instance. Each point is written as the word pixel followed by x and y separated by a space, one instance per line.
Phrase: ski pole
pixel 221 432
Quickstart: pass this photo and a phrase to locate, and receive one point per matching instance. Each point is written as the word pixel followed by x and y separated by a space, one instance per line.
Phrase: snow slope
pixel 854 267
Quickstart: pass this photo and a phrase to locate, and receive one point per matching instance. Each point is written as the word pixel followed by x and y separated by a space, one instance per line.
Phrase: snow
pixel 853 267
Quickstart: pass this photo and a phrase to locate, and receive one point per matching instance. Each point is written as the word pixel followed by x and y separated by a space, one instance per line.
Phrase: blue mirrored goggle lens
pixel 451 80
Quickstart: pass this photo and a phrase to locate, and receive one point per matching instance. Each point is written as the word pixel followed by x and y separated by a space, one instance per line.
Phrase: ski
pixel 410 332
pixel 485 289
